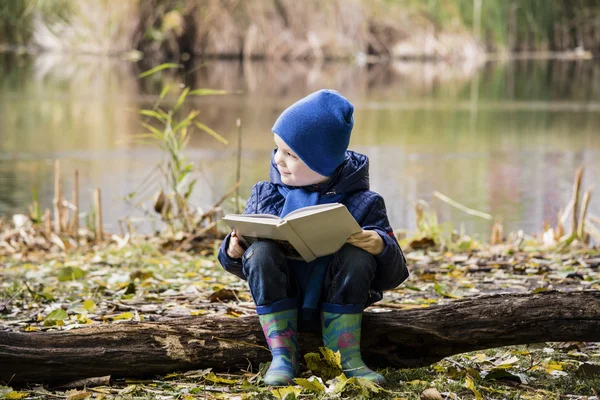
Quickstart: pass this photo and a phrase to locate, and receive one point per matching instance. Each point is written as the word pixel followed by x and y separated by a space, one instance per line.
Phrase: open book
pixel 305 233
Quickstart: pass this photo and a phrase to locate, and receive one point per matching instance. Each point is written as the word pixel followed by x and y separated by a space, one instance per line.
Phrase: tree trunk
pixel 410 338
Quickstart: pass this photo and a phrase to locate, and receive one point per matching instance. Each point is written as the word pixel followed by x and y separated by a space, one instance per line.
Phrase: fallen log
pixel 410 338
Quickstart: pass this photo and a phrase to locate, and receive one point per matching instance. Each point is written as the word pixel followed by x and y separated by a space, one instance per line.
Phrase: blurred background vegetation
pixel 503 136
pixel 306 29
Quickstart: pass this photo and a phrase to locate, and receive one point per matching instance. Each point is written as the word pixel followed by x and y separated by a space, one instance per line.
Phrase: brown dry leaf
pixel 77 395
pixel 423 243
pixel 431 394
pixel 223 295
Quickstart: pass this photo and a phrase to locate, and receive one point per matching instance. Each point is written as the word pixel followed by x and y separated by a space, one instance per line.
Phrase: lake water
pixel 504 139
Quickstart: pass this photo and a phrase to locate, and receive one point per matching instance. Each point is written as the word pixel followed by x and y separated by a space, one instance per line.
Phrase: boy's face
pixel 294 172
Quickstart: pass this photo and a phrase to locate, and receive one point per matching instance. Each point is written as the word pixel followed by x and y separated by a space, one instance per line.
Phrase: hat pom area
pixel 317 128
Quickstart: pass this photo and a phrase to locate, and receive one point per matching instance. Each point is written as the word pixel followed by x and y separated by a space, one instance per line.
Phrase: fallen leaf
pixel 217 379
pixel 439 289
pixel 128 389
pixel 70 274
pixel 89 305
pixel 223 295
pixel 588 369
pixel 4 390
pixel 77 395
pixel 286 393
pixel 56 317
pixel 469 384
pixel 431 394
pixel 312 384
pixel 15 395
pixel 122 316
pixel 499 373
pixel 328 367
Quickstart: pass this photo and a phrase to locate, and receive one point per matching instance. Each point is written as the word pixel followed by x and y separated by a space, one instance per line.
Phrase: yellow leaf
pixel 288 393
pixel 333 358
pixel 438 368
pixel 553 366
pixel 469 384
pixel 56 317
pixel 407 306
pixel 128 389
pixel 327 368
pixel 418 382
pixel 125 315
pixel 312 384
pixel 83 319
pixel 364 385
pixel 339 384
pixel 198 312
pixel 15 395
pixel 217 379
pixel 89 305
pixel 31 328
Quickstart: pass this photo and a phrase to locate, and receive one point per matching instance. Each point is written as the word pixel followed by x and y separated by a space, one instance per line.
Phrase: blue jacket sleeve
pixel 234 265
pixel 391 264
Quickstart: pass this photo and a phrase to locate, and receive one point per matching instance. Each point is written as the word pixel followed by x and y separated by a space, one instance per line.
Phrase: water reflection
pixel 504 138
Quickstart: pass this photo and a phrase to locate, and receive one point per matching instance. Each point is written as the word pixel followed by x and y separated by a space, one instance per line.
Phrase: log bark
pixel 410 338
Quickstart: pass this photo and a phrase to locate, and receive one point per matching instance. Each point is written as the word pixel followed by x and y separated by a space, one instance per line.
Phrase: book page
pixel 311 210
pixel 251 216
pixel 326 230
pixel 255 227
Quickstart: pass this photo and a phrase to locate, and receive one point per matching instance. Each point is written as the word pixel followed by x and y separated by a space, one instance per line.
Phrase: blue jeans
pixel 271 279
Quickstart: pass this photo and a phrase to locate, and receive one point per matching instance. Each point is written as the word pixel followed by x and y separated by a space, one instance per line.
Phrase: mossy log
pixel 410 338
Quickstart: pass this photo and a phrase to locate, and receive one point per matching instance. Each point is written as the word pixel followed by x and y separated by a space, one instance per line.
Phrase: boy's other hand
pixel 235 249
pixel 367 240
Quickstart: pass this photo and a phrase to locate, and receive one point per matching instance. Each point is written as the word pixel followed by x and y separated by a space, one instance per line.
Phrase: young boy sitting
pixel 311 165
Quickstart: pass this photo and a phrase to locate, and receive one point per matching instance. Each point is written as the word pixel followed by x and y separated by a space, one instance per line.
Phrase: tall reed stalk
pixel 170 130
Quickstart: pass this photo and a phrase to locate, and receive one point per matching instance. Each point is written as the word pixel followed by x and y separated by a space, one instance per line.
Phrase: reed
pixel 98 215
pixel 170 130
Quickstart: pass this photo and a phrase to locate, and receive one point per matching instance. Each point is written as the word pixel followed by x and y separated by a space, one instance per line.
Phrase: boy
pixel 311 165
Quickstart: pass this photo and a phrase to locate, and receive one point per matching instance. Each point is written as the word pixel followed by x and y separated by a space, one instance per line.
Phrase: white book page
pixel 325 233
pixel 301 212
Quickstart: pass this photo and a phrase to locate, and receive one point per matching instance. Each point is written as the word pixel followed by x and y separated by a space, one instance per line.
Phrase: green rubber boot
pixel 280 329
pixel 342 332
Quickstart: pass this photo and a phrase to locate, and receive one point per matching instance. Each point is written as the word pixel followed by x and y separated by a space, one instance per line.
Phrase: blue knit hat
pixel 317 128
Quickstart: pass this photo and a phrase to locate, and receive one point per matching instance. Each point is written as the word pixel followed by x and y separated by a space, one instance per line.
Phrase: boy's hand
pixel 367 240
pixel 235 249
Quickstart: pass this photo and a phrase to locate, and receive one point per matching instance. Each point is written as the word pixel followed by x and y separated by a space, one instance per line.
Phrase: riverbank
pixel 361 30
pixel 55 277
pixel 139 280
